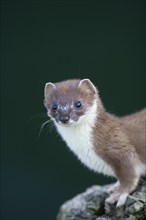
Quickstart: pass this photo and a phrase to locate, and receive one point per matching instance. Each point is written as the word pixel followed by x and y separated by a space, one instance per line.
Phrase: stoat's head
pixel 70 102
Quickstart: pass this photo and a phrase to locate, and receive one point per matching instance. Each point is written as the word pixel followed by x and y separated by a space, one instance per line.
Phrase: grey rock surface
pixel 91 205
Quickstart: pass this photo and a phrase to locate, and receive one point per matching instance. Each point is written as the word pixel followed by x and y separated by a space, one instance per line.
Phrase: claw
pixel 109 200
pixel 122 199
pixel 113 198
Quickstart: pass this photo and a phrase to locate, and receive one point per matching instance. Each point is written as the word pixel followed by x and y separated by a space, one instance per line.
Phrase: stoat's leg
pixel 128 178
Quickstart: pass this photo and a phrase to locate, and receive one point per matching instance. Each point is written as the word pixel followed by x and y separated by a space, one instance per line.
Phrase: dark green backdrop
pixel 45 41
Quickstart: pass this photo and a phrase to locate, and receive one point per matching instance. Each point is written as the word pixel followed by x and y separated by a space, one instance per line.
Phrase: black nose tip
pixel 64 118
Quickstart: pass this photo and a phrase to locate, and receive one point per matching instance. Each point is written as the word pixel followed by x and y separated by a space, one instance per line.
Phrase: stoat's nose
pixel 64 118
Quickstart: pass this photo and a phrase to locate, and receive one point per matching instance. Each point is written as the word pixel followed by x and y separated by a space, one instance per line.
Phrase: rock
pixel 91 205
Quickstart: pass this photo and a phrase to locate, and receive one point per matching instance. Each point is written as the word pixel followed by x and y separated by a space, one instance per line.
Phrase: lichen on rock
pixel 91 205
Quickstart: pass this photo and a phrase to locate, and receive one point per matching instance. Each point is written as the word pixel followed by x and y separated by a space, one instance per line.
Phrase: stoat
pixel 114 146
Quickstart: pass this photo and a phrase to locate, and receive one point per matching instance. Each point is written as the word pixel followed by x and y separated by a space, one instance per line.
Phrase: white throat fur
pixel 79 139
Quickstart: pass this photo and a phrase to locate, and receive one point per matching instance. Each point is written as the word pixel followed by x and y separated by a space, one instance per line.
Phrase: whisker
pixel 46 122
pixel 37 116
pixel 50 127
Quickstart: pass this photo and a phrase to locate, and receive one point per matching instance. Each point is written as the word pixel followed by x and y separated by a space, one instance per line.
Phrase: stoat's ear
pixel 87 84
pixel 49 87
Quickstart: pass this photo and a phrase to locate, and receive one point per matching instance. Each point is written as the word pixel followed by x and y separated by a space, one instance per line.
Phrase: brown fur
pixel 121 143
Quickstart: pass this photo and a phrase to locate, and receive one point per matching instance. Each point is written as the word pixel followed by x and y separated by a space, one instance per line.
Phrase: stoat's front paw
pixel 114 187
pixel 118 197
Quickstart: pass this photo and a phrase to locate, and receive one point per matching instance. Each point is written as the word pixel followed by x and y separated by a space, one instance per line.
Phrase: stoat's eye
pixel 78 104
pixel 54 107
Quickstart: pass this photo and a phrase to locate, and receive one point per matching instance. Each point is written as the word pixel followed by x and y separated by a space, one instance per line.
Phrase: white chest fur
pixel 79 140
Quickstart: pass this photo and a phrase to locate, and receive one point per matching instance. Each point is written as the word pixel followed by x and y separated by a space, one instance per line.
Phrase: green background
pixel 45 41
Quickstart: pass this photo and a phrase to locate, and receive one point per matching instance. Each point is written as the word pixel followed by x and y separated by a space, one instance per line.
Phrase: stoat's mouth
pixel 69 123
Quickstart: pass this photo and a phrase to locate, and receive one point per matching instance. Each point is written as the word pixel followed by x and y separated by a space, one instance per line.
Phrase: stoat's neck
pixel 79 139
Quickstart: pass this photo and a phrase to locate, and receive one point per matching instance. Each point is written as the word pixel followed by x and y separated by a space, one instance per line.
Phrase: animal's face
pixel 69 102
